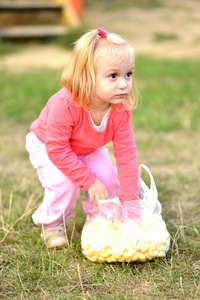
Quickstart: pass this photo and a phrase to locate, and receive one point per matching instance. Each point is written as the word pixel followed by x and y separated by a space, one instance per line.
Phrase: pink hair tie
pixel 101 33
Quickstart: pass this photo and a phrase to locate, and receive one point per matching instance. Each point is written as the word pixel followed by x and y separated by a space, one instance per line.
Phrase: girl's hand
pixel 97 191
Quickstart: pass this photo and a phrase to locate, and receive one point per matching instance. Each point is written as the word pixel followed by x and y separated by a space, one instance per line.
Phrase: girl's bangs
pixel 116 51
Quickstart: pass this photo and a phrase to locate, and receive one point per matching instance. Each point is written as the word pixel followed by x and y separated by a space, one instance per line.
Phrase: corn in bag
pixel 113 236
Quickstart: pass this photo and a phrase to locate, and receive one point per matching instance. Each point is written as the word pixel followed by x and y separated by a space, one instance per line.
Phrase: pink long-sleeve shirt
pixel 67 131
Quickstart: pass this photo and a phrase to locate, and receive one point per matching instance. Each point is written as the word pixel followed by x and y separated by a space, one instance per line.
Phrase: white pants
pixel 60 193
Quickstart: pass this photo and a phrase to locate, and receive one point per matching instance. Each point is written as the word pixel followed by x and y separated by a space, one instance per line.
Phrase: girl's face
pixel 113 76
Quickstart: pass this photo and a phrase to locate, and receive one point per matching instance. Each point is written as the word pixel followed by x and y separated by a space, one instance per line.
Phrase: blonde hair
pixel 79 76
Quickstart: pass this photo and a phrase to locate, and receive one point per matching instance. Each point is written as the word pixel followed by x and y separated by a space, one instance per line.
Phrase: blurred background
pixel 36 39
pixel 155 27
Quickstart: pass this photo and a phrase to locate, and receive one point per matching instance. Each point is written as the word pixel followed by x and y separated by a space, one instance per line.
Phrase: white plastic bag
pixel 132 231
pixel 149 195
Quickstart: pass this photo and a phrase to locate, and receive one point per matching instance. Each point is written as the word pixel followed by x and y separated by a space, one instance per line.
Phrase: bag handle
pixel 152 182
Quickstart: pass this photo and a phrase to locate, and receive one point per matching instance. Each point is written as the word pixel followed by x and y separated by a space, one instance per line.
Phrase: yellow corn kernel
pixel 154 253
pixel 148 256
pixel 128 254
pixel 144 248
pixel 116 224
pixel 104 254
pixel 161 254
pixel 140 256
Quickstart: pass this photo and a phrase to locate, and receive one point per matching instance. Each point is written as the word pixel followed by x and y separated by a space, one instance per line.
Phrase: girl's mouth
pixel 121 95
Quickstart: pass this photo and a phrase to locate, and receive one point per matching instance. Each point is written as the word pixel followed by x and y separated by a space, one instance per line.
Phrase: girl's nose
pixel 122 84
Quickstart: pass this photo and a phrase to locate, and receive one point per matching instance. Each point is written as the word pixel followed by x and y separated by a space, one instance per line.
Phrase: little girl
pixel 66 142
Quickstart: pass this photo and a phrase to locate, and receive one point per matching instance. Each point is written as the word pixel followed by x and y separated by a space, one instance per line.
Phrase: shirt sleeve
pixel 126 157
pixel 58 132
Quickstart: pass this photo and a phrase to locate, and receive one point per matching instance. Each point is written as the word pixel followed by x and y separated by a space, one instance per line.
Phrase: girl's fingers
pixel 103 196
pixel 98 196
pixel 106 195
pixel 97 200
pixel 91 198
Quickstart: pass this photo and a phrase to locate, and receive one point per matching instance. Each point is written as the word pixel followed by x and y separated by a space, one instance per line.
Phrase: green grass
pixel 169 94
pixel 24 95
pixel 166 129
pixel 28 270
pixel 8 48
pixel 162 37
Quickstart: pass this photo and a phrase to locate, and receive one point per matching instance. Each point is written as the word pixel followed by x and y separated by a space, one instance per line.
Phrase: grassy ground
pixel 166 128
pixel 28 270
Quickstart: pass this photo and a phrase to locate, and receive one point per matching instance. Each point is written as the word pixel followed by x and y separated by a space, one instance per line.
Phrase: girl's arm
pixel 58 132
pixel 126 157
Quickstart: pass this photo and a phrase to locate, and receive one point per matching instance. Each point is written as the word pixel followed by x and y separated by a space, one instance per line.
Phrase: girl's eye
pixel 129 74
pixel 113 76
